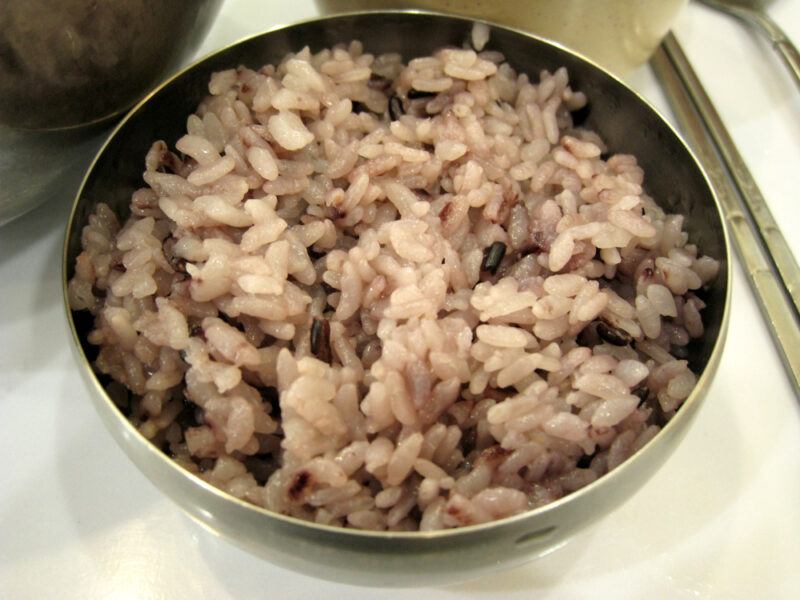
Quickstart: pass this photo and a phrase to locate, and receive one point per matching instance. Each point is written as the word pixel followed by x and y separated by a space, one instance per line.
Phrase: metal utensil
pixel 752 12
pixel 777 247
pixel 627 124
pixel 681 87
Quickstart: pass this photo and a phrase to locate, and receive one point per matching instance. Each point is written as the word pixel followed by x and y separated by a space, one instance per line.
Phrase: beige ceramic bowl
pixel 618 34
pixel 626 122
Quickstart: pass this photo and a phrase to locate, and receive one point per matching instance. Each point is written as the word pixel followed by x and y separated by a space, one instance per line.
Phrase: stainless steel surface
pixel 67 69
pixel 767 285
pixel 767 228
pixel 37 166
pixel 627 123
pixel 75 62
pixel 753 12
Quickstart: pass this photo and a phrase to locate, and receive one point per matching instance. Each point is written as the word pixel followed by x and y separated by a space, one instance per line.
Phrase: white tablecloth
pixel 720 520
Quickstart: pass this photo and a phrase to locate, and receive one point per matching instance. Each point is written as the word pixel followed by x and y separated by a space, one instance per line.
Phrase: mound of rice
pixel 393 297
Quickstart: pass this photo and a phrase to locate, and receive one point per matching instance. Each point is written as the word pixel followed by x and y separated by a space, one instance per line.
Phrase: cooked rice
pixel 393 297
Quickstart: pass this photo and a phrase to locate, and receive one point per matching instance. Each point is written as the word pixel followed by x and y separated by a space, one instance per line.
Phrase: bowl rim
pixel 605 480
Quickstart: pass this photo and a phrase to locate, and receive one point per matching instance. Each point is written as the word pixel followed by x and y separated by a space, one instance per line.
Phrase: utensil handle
pixel 780 41
pixel 778 248
pixel 759 19
pixel 791 57
pixel 770 294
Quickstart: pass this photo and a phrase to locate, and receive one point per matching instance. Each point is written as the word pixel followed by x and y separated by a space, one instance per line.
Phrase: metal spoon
pixel 752 12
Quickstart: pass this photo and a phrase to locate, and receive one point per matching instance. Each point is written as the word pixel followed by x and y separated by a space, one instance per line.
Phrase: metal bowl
pixel 627 123
pixel 75 62
pixel 67 70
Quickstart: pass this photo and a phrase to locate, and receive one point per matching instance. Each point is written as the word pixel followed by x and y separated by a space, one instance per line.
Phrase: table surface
pixel 719 520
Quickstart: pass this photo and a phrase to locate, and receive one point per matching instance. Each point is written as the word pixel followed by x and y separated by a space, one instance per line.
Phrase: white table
pixel 720 520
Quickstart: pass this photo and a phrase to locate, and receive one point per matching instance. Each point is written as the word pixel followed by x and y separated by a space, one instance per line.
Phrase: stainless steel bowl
pixel 67 70
pixel 626 122
pixel 75 62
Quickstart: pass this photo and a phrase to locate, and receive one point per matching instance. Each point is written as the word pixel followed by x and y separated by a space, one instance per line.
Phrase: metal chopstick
pixel 766 284
pixel 768 229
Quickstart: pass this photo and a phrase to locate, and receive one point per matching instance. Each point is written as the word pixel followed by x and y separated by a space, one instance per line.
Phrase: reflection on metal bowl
pixel 623 119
